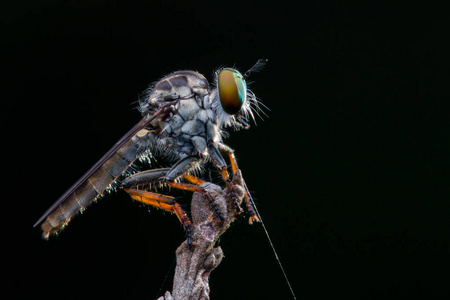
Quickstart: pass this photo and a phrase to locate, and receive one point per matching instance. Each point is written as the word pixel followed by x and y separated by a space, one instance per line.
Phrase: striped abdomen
pixel 93 184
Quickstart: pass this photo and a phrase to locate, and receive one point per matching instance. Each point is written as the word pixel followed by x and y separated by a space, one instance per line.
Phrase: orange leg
pixel 165 202
pixel 198 181
pixel 196 188
pixel 193 179
pixel 234 166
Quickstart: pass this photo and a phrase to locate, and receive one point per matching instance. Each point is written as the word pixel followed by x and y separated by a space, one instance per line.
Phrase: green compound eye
pixel 232 90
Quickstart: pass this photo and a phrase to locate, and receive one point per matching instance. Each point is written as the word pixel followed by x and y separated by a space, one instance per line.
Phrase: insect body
pixel 184 119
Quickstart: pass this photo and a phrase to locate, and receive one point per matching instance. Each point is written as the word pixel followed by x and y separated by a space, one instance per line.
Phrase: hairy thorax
pixel 190 123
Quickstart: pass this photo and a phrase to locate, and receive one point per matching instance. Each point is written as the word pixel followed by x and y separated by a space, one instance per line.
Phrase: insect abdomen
pixel 83 195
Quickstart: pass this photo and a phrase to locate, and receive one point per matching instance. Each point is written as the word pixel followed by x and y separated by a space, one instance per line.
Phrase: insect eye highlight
pixel 232 90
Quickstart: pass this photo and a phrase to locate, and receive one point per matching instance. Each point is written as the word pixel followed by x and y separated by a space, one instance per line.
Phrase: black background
pixel 350 170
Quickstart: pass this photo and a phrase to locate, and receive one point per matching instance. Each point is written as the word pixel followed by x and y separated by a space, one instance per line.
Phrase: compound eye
pixel 232 90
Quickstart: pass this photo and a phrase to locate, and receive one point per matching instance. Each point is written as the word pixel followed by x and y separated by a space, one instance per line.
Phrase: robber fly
pixel 182 117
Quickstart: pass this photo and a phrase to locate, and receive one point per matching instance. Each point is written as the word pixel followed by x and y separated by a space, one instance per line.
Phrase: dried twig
pixel 195 262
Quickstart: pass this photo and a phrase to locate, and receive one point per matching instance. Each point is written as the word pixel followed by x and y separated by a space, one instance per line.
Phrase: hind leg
pixel 165 202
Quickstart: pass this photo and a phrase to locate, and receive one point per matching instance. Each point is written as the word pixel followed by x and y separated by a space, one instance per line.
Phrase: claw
pixel 253 219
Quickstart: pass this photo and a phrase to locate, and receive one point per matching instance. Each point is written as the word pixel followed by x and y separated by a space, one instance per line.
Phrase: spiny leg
pixel 145 177
pixel 197 181
pixel 196 188
pixel 180 169
pixel 193 179
pixel 247 198
pixel 165 202
pixel 220 161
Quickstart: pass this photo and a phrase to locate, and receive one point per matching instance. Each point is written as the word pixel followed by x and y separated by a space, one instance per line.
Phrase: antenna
pixel 256 67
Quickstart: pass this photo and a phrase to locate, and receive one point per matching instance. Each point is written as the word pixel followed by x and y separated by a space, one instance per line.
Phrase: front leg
pixel 247 198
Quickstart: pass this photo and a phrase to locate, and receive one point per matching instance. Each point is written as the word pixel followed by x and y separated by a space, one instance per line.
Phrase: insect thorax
pixel 190 121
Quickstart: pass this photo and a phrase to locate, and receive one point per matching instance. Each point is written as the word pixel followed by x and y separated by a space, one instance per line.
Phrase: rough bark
pixel 195 262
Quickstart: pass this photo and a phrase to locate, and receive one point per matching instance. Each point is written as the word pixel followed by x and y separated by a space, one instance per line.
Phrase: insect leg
pixel 220 161
pixel 180 169
pixel 247 198
pixel 165 202
pixel 193 179
pixel 235 195
pixel 158 200
pixel 145 177
pixel 230 152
